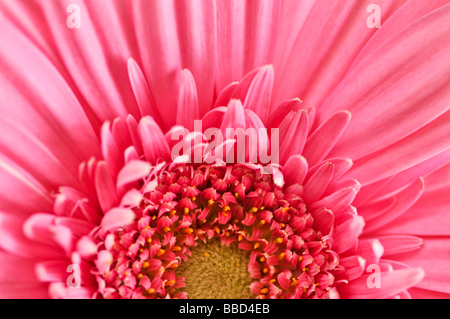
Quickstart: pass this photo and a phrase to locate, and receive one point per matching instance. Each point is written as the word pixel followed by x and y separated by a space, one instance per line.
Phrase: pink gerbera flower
pixel 94 204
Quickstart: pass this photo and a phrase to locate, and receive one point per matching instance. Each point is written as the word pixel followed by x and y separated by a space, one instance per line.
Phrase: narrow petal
pixel 293 133
pixel 105 186
pixel 153 141
pixel 295 169
pixel 391 283
pixel 117 217
pixel 259 93
pixel 133 171
pixel 346 235
pixel 318 183
pixel 417 57
pixel 142 93
pixel 404 200
pixel 397 244
pixel 187 110
pixel 410 151
pixel 323 139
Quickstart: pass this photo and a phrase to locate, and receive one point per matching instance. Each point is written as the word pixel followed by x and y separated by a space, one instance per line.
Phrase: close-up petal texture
pixel 217 149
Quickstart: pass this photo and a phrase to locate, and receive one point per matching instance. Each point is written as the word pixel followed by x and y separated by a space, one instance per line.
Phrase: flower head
pixel 318 171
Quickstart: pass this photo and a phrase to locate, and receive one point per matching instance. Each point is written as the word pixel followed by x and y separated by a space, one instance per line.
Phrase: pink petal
pixel 15 269
pixel 245 34
pixel 50 271
pixel 391 283
pixel 258 95
pixel 322 140
pixel 105 186
pixel 133 171
pixel 354 267
pixel 346 235
pixel 295 169
pixel 117 217
pixel 425 143
pixel 334 35
pixel 404 200
pixel 293 133
pixel 15 242
pixel 402 85
pixel 226 95
pixel 318 183
pixel 153 141
pixel 339 200
pixel 142 93
pixel 397 244
pixel 17 181
pixel 278 115
pixel 161 60
pixel 187 109
pixel 197 37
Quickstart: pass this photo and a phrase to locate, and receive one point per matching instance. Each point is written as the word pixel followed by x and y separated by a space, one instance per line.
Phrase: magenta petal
pixel 318 183
pixel 187 109
pixel 133 171
pixel 404 200
pixel 258 95
pixel 323 139
pixel 153 141
pixel 293 132
pixel 117 217
pixel 142 93
pixel 391 283
pixel 433 258
pixel 346 235
pixel 105 186
pixel 397 244
pixel 354 267
pixel 295 169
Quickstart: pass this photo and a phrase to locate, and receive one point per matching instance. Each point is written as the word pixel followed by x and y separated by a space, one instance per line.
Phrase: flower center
pixel 217 231
pixel 216 271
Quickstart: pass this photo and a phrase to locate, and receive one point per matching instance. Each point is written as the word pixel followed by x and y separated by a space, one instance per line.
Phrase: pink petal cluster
pixel 87 174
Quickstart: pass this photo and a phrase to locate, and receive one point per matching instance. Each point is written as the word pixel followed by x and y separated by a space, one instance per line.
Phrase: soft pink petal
pixel 33 195
pixel 412 150
pixel 322 140
pixel 258 95
pixel 152 140
pixel 197 34
pixel 142 93
pixel 15 242
pixel 403 201
pixel 117 217
pixel 187 109
pixel 295 169
pixel 133 171
pixel 433 258
pixel 245 34
pixel 332 33
pixel 403 85
pixel 105 186
pixel 293 132
pixel 391 283
pixel 397 244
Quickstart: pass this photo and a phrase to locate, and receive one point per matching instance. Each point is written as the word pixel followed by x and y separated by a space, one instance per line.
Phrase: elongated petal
pixel 153 141
pixel 295 169
pixel 390 284
pixel 187 109
pixel 323 139
pixel 117 217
